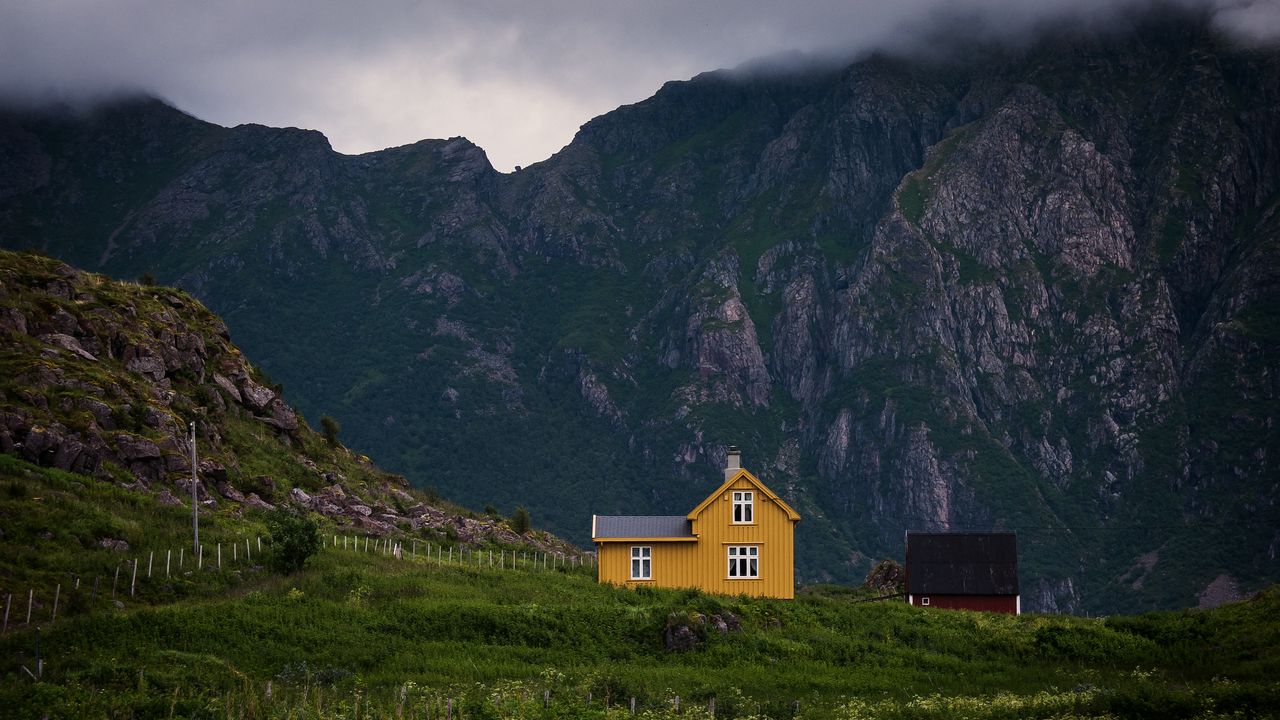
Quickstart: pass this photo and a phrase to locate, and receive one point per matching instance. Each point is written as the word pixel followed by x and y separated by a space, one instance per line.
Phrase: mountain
pixel 1031 288
pixel 103 379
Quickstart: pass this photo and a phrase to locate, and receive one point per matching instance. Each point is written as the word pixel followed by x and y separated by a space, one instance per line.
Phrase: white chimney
pixel 732 462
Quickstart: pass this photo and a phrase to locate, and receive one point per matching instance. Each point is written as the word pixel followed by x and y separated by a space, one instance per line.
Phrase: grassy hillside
pixel 363 634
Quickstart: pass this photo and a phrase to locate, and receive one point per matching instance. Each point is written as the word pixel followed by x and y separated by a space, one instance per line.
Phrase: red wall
pixel 986 603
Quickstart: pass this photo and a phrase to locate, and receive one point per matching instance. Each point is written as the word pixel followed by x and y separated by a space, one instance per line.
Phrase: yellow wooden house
pixel 738 541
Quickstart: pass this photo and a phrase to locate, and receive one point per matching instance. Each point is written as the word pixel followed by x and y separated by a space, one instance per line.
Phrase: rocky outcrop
pixel 129 367
pixel 120 416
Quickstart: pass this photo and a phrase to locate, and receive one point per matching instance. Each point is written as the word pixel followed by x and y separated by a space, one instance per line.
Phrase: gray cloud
pixel 517 78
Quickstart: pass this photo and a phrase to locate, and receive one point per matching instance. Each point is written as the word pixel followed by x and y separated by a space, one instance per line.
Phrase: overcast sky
pixel 516 77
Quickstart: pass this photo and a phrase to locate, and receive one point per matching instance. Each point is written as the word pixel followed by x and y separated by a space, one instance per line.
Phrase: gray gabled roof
pixel 641 526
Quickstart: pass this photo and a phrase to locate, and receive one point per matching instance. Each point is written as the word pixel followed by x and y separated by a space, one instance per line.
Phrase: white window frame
pixel 924 601
pixel 744 562
pixel 641 562
pixel 744 507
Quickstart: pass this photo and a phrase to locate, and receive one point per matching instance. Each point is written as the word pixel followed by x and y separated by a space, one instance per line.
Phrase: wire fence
pixel 150 575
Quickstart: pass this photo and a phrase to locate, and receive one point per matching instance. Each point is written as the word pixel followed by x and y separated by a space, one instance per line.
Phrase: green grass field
pixel 363 634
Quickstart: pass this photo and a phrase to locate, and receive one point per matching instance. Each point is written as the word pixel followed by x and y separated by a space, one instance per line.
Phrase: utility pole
pixel 195 504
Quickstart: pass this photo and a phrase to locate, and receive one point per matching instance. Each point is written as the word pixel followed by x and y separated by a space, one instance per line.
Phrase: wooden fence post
pixel 7 603
pixel 182 553
pixel 114 581
pixel 200 560
pixel 31 596
pixel 168 555
pixel 56 594
pixel 133 583
pixel 151 556
pixel 219 556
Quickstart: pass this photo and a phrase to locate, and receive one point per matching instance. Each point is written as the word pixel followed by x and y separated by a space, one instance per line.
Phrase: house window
pixel 641 562
pixel 924 601
pixel 744 561
pixel 742 506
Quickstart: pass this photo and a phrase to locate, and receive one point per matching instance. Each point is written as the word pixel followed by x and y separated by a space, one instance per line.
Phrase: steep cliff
pixel 1026 288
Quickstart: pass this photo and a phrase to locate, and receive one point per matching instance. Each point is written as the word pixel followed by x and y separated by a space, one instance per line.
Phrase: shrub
pixel 294 538
pixel 520 522
pixel 330 428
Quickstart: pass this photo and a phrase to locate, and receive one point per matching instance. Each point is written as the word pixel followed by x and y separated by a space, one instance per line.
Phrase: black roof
pixel 962 563
pixel 641 526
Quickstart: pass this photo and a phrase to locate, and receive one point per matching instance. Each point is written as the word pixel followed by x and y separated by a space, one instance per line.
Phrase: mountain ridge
pixel 1031 290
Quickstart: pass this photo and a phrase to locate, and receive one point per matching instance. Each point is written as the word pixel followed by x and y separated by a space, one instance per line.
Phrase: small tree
pixel 294 538
pixel 520 520
pixel 330 428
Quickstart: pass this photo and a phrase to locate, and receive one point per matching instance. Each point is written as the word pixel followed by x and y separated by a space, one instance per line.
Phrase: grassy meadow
pixel 367 635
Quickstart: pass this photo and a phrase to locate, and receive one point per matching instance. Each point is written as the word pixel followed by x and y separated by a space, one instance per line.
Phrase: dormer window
pixel 743 506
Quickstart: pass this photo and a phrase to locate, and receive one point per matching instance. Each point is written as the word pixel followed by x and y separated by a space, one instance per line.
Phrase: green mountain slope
pixel 99 379
pixel 1029 289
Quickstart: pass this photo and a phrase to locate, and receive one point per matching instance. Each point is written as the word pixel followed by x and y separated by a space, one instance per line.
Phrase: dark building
pixel 964 571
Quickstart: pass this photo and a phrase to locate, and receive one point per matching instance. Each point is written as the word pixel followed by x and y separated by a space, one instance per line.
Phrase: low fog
pixel 517 78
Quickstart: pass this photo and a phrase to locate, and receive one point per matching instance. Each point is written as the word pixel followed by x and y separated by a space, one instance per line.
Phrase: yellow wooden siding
pixel 772 531
pixel 705 564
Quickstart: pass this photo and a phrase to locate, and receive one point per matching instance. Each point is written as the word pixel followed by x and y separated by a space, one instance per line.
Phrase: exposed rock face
pixel 1031 289
pixel 887 578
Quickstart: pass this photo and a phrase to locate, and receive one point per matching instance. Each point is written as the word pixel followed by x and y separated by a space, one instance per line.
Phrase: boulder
pixel 213 472
pixel 225 490
pixel 13 321
pixel 228 387
pixel 148 365
pixel 68 343
pixel 283 416
pixel 132 447
pixel 718 624
pixel 298 496
pixel 114 544
pixel 731 621
pixel 184 487
pixel 680 638
pixel 887 577
pixel 102 413
pixel 256 502
pixel 40 445
pixel 168 499
pixel 69 454
pixel 256 397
